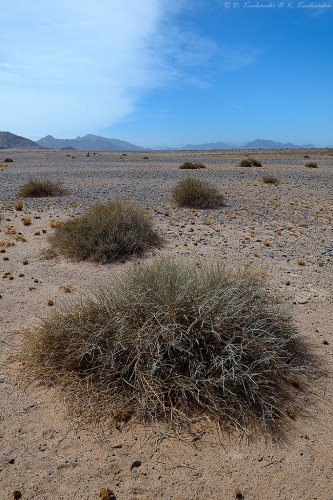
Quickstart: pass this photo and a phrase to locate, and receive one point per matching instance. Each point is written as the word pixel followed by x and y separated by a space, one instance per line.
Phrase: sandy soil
pixel 286 229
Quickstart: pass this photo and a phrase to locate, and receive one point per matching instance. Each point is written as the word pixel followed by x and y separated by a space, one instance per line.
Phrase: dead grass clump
pixel 26 221
pixel 192 165
pixel 174 341
pixel 270 179
pixel 40 189
pixel 311 164
pixel 55 223
pixel 255 162
pixel 18 206
pixel 196 193
pixel 245 163
pixel 249 162
pixel 106 231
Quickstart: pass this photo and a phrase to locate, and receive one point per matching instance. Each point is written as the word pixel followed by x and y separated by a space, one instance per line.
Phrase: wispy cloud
pixel 72 67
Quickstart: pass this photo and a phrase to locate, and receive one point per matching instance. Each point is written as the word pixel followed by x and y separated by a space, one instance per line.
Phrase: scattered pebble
pixel 135 464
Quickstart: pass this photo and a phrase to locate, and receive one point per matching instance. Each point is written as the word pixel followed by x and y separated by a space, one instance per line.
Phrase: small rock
pixel 301 300
pixel 135 464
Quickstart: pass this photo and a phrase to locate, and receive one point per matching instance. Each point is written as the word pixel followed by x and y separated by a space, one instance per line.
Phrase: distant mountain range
pixel 257 144
pixel 266 144
pixel 208 145
pixel 12 141
pixel 89 142
pixel 92 142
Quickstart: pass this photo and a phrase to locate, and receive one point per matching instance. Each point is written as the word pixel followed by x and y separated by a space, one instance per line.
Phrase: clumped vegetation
pixel 41 189
pixel 18 206
pixel 250 162
pixel 196 193
pixel 8 160
pixel 192 165
pixel 106 231
pixel 255 163
pixel 174 341
pixel 311 164
pixel 270 179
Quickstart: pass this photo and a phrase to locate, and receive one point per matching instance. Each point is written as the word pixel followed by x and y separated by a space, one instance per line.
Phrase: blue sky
pixel 168 72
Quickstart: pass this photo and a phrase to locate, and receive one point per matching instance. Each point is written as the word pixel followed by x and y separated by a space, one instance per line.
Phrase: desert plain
pixel 283 229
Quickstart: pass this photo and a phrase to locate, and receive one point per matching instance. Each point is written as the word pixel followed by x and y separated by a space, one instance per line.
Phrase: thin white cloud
pixel 72 67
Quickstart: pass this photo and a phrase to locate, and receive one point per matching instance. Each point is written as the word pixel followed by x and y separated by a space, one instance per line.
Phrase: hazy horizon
pixel 154 74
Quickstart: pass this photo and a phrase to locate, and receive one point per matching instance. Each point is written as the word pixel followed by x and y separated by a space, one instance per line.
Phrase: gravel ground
pixel 284 229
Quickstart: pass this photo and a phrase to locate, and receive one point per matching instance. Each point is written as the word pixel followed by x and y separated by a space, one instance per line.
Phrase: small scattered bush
pixel 8 160
pixel 270 179
pixel 250 162
pixel 255 163
pixel 311 164
pixel 192 165
pixel 306 156
pixel 196 193
pixel 26 221
pixel 245 163
pixel 106 231
pixel 173 341
pixel 41 189
pixel 18 206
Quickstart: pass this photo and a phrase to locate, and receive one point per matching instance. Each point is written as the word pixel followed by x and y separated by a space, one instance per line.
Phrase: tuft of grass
pixel 106 231
pixel 18 206
pixel 196 193
pixel 249 162
pixel 55 223
pixel 40 189
pixel 174 341
pixel 192 165
pixel 245 163
pixel 26 221
pixel 270 179
pixel 255 162
pixel 311 164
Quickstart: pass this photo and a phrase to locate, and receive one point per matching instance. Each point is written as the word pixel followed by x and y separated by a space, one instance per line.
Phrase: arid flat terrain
pixel 286 229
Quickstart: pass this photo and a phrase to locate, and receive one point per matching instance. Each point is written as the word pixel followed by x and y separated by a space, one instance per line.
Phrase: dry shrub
pixel 270 179
pixel 8 160
pixel 192 165
pixel 174 341
pixel 106 231
pixel 250 162
pixel 55 223
pixel 40 189
pixel 311 164
pixel 26 221
pixel 18 206
pixel 196 193
pixel 255 163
